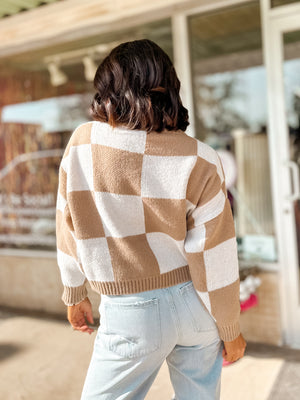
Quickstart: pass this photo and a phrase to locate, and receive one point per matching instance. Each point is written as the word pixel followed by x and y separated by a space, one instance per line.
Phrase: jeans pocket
pixel 201 319
pixel 131 329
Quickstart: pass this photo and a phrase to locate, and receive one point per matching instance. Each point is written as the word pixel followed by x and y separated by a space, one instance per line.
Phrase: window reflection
pixel 231 115
pixel 33 136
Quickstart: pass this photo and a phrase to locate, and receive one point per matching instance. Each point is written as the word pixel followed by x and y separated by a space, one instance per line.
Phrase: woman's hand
pixel 78 314
pixel 234 350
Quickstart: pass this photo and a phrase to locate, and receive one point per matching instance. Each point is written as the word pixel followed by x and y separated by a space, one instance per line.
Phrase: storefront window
pixel 229 82
pixel 33 136
pixel 36 121
pixel 291 67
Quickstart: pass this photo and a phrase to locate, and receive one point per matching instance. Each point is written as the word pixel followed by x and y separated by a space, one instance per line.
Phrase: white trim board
pixel 71 20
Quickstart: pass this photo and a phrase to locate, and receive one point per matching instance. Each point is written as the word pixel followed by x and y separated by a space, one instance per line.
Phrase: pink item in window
pixel 252 301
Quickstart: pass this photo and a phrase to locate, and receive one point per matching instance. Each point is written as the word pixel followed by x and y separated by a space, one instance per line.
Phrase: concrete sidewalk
pixel 43 358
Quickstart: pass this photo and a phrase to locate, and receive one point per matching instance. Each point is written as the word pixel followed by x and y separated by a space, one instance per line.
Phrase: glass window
pixel 36 121
pixel 291 67
pixel 229 83
pixel 33 136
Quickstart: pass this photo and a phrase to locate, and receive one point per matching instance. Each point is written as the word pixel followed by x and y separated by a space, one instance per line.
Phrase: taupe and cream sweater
pixel 139 211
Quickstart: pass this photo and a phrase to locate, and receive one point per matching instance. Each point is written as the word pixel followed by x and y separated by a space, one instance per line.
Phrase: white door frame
pixel 275 22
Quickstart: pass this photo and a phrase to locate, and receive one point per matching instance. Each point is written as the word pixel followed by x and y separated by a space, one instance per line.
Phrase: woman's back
pixel 127 198
pixel 139 211
pixel 143 215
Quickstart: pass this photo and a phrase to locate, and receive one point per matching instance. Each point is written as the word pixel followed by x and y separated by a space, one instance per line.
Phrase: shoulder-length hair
pixel 137 87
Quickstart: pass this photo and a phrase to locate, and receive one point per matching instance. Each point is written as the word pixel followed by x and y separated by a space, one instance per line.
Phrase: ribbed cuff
pixel 230 332
pixel 74 295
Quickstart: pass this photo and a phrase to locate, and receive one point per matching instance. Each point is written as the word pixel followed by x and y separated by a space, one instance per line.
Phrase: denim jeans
pixel 139 331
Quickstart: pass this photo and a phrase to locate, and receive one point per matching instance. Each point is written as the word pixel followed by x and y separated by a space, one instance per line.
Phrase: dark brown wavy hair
pixel 137 87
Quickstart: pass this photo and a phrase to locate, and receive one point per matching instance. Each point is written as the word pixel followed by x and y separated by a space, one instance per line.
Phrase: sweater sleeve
pixel 71 271
pixel 211 246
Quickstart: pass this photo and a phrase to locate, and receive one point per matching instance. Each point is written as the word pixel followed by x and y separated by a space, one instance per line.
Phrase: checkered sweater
pixel 138 211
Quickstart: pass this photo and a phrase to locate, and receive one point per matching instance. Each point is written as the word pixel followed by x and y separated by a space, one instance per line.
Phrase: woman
pixel 143 215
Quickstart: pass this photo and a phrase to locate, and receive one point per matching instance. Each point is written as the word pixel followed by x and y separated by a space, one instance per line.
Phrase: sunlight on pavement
pixel 46 359
pixel 251 378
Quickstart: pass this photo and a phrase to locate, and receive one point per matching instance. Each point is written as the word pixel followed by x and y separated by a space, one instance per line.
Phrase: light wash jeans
pixel 139 331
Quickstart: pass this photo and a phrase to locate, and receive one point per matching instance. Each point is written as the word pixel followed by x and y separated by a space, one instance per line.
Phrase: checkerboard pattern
pixel 138 211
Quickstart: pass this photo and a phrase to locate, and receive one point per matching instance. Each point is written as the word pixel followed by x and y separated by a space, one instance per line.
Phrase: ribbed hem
pixel 230 332
pixel 142 284
pixel 74 295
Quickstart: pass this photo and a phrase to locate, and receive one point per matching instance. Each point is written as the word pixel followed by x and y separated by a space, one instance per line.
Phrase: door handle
pixel 293 166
